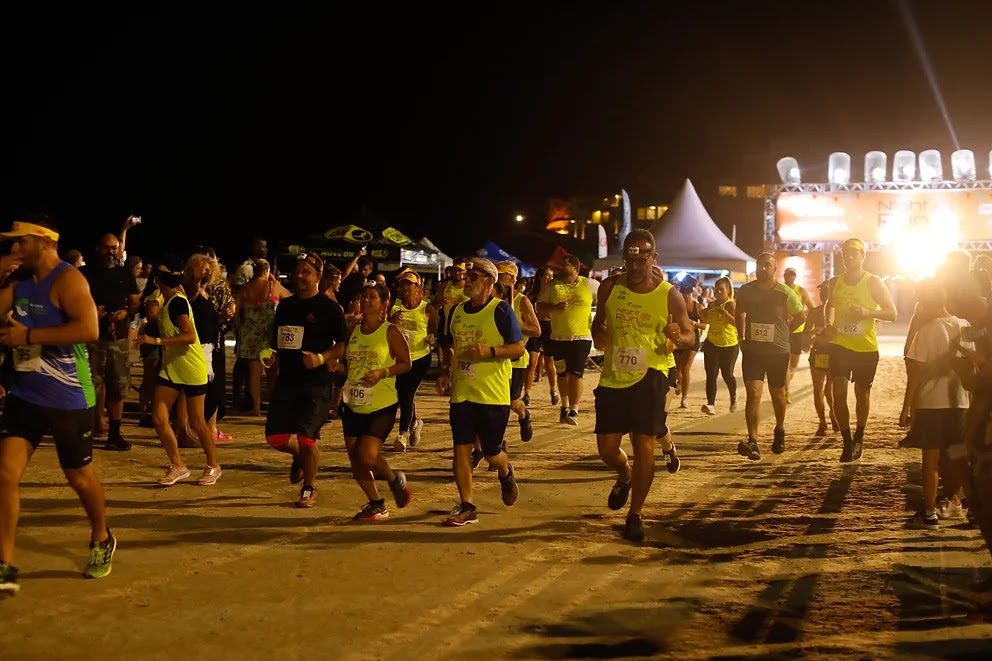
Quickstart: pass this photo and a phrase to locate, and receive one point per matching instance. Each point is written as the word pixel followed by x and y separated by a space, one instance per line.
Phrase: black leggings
pixel 406 389
pixel 716 360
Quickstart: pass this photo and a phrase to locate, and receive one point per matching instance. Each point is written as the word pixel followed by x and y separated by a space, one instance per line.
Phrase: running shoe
pixel 572 418
pixel 462 515
pixel 708 409
pixel 374 510
pixel 308 497
pixel 477 457
pixel 749 448
pixel 562 415
pixel 508 487
pixel 526 399
pixel 633 529
pixel 101 554
pixel 400 443
pixel 210 476
pixel 857 445
pixel 415 428
pixel 948 509
pixel 821 431
pixel 296 471
pixel 223 436
pixel 847 453
pixel 555 398
pixel 924 521
pixel 117 444
pixel 733 405
pixel 8 579
pixel 526 428
pixel 618 494
pixel 401 491
pixel 172 475
pixel 778 445
pixel 672 461
pixel 683 404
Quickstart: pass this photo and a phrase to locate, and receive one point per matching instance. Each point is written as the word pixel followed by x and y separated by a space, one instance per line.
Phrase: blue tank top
pixel 55 377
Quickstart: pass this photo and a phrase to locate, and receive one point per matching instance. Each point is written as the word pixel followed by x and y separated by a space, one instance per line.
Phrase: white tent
pixel 442 258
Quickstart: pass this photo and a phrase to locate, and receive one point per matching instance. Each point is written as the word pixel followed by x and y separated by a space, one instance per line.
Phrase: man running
pixel 306 323
pixel 764 309
pixel 797 336
pixel 637 315
pixel 857 300
pixel 568 302
pixel 54 316
pixel 484 338
pixel 530 328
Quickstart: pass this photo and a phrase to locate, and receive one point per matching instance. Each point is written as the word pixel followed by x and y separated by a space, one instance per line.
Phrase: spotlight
pixel 788 170
pixel 930 169
pixel 904 166
pixel 839 168
pixel 963 165
pixel 875 162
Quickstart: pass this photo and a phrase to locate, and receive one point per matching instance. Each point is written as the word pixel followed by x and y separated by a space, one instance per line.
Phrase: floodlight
pixel 930 168
pixel 904 166
pixel 963 165
pixel 875 162
pixel 788 170
pixel 839 168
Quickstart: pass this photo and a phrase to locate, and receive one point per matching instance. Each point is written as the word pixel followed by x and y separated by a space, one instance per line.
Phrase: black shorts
pixel 773 365
pixel 378 424
pixel 188 390
pixel 71 430
pixel 517 377
pixel 819 359
pixel 545 325
pixel 858 366
pixel 796 343
pixel 570 355
pixel 638 409
pixel 534 345
pixel 487 422
pixel 299 410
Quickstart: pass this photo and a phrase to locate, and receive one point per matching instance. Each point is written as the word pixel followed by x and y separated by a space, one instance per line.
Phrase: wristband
pixel 158 341
pixel 320 359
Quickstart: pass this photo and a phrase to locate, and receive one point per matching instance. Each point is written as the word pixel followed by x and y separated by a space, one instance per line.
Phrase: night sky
pixel 216 126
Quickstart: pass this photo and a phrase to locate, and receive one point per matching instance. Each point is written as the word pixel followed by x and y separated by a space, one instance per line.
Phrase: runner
pixel 307 325
pixel 857 300
pixel 376 353
pixel 530 328
pixel 451 293
pixel 637 315
pixel 568 303
pixel 819 364
pixel 184 370
pixel 483 339
pixel 542 282
pixel 53 318
pixel 764 308
pixel 721 348
pixel 797 336
pixel 685 356
pixel 417 320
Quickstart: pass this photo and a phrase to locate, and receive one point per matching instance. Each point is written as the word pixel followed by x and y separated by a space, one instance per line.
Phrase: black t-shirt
pixel 323 325
pixel 179 307
pixel 111 288
pixel 206 320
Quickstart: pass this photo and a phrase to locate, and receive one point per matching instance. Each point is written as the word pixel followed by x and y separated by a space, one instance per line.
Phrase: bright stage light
pixel 839 168
pixel 788 170
pixel 904 166
pixel 875 162
pixel 963 165
pixel 919 251
pixel 930 168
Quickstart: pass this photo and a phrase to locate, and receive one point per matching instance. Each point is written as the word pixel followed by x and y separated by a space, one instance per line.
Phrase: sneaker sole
pixel 208 482
pixel 164 483
pixel 377 517
pixel 459 524
pixel 572 421
pixel 305 504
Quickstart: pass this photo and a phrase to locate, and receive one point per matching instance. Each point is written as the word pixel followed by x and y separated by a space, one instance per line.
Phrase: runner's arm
pixel 882 296
pixel 400 350
pixel 740 320
pixel 599 322
pixel 513 339
pixel 678 314
pixel 915 376
pixel 529 325
pixel 73 297
pixel 433 321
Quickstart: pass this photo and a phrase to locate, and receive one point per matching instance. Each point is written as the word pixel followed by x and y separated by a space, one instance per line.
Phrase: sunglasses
pixel 475 275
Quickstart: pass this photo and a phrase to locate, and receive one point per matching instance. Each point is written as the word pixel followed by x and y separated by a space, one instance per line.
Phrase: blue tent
pixel 494 253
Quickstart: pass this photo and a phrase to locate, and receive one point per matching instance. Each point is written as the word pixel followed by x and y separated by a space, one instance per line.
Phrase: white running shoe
pixel 210 476
pixel 172 475
pixel 948 509
pixel 400 443
pixel 708 409
pixel 684 405
pixel 415 430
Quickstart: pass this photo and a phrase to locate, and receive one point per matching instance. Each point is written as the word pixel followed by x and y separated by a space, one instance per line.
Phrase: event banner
pixel 884 216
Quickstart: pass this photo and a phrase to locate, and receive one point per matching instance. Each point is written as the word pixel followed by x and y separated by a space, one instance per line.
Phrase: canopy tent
pixel 494 253
pixel 390 250
pixel 443 259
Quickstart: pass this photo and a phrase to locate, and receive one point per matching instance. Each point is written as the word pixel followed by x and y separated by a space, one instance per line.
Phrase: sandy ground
pixel 793 556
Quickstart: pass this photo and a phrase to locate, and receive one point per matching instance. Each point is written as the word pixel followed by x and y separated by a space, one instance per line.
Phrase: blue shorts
pixel 487 422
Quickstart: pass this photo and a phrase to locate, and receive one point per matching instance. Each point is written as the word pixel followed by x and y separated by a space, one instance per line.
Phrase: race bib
pixel 356 394
pixel 289 337
pixel 629 359
pixel 762 332
pixel 853 328
pixel 821 361
pixel 27 358
pixel 465 369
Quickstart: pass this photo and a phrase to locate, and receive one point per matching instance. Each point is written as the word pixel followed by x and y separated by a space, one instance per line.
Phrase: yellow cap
pixel 22 228
pixel 857 244
pixel 508 267
pixel 409 276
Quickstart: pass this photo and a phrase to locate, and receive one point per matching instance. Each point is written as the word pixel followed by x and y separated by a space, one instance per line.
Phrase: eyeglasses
pixel 475 275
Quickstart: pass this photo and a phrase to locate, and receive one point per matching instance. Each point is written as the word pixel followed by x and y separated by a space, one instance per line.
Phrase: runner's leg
pixel 15 453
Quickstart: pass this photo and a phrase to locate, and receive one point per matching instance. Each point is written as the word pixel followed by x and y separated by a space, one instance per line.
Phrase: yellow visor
pixel 22 228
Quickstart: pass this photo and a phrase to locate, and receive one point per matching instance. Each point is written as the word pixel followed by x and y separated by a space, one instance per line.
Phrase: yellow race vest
pixel 486 381
pixel 524 360
pixel 184 364
pixel 799 292
pixel 722 332
pixel 635 325
pixel 413 325
pixel 365 354
pixel 854 334
pixel 573 323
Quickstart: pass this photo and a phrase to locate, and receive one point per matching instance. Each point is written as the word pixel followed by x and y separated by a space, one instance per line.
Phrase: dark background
pixel 447 120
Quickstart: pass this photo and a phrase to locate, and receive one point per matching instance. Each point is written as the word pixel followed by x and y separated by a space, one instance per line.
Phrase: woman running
pixel 721 348
pixel 417 320
pixel 684 357
pixel 529 326
pixel 184 370
pixel 819 364
pixel 376 352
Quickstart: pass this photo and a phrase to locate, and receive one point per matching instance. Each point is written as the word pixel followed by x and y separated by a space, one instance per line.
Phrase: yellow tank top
pixel 854 334
pixel 524 360
pixel 184 364
pixel 365 354
pixel 799 292
pixel 722 331
pixel 486 381
pixel 635 325
pixel 413 325
pixel 573 323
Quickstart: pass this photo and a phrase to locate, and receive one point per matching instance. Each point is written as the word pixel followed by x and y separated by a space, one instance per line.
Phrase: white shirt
pixel 932 345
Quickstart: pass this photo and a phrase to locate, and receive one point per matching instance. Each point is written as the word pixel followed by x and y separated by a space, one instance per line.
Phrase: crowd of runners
pixel 354 345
